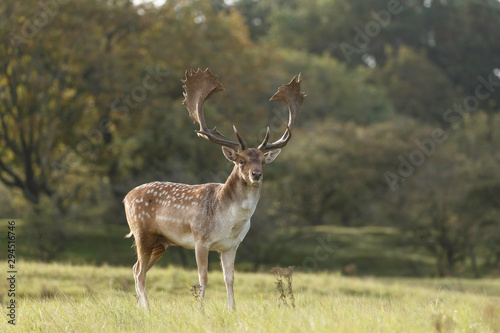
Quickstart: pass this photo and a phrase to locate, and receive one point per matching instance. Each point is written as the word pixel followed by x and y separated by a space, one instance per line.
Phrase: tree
pixel 343 182
pixel 446 204
pixel 48 92
pixel 336 91
pixel 416 87
pixel 56 74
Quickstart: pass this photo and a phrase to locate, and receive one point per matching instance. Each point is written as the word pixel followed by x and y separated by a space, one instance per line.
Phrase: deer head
pixel 249 162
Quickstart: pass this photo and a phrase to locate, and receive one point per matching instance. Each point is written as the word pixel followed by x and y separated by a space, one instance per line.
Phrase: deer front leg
pixel 201 252
pixel 227 259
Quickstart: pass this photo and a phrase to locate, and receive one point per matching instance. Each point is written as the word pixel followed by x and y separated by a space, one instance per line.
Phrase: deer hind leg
pixel 158 251
pixel 144 252
pixel 149 250
pixel 201 252
pixel 140 280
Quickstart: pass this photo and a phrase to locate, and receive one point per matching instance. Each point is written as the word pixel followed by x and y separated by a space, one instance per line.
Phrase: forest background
pixel 393 168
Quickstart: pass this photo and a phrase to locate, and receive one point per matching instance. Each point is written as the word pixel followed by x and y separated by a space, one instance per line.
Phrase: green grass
pixel 60 297
pixel 379 251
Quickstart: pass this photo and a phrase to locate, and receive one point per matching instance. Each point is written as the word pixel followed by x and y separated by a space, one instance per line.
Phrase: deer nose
pixel 256 175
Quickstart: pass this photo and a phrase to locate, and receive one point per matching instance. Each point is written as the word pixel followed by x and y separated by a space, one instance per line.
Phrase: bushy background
pixel 393 168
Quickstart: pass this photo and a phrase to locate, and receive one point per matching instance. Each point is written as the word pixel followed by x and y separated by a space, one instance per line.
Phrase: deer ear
pixel 229 153
pixel 271 155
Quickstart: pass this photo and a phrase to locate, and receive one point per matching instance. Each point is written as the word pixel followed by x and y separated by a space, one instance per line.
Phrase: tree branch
pixel 8 141
pixel 17 182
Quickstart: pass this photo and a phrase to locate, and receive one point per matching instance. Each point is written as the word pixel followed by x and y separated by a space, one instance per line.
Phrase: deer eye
pixel 242 162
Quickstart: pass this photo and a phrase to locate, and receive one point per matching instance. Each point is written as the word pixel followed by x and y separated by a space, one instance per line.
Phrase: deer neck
pixel 235 191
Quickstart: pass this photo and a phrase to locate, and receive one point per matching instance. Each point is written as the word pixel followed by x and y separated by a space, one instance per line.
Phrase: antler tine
pixel 289 94
pixel 240 140
pixel 198 87
pixel 263 144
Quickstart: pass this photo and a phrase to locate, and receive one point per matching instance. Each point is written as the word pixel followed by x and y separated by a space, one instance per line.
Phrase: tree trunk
pixel 473 261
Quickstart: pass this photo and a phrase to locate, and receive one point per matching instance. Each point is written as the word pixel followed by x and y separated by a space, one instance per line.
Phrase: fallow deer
pixel 208 217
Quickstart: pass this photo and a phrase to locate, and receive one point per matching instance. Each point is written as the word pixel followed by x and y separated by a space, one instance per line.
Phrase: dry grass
pixel 63 298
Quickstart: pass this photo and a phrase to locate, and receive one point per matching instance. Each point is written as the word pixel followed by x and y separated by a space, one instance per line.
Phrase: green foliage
pixel 308 25
pixel 90 106
pixel 330 161
pixel 446 203
pixel 46 240
pixel 406 77
pixel 334 91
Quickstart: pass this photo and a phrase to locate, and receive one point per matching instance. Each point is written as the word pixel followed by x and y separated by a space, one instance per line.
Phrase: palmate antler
pixel 289 94
pixel 201 85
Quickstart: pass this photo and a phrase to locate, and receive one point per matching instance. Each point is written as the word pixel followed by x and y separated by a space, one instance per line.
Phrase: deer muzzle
pixel 256 175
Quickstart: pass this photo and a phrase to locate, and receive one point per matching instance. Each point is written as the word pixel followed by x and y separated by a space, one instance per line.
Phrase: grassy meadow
pixel 65 298
pixel 370 250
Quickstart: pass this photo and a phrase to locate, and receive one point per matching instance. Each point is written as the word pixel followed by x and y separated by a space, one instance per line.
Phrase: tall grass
pixel 63 298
